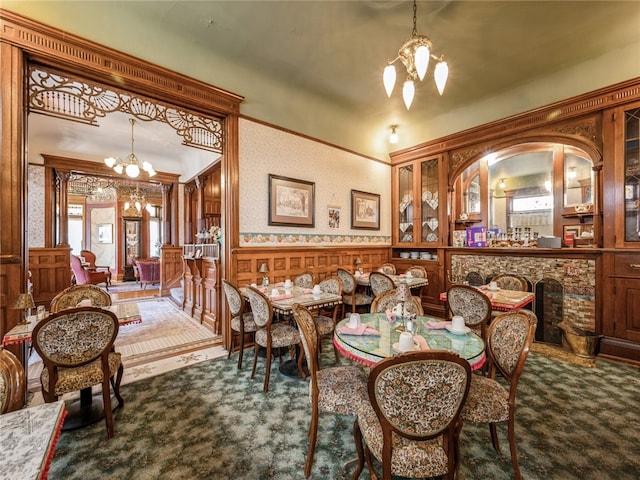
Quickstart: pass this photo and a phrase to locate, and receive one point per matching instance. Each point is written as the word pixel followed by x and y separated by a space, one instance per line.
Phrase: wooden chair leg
pixel 494 437
pixel 233 334
pixel 255 359
pixel 357 436
pixel 268 369
pixel 116 385
pixel 106 403
pixel 313 436
pixel 513 448
pixel 241 352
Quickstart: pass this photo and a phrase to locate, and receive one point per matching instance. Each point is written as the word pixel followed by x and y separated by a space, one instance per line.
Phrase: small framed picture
pixel 365 210
pixel 291 202
pixel 105 233
pixel 334 217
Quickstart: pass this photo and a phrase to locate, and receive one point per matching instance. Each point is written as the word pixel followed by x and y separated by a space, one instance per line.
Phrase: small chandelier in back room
pixel 415 54
pixel 131 165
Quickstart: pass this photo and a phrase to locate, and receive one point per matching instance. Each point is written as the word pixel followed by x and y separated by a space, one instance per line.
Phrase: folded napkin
pixel 390 316
pixel 436 324
pixel 362 329
pixel 422 343
pixel 282 297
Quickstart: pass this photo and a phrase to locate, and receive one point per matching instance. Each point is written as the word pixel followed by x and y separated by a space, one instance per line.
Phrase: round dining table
pixel 377 341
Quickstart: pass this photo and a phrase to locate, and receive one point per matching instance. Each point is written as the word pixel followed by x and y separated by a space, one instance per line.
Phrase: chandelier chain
pixel 415 20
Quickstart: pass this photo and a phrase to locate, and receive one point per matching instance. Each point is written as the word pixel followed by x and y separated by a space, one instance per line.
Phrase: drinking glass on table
pixel 412 324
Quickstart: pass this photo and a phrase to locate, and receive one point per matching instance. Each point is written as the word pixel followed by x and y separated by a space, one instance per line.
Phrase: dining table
pixel 362 279
pixel 501 299
pixel 28 437
pixel 283 299
pixel 379 339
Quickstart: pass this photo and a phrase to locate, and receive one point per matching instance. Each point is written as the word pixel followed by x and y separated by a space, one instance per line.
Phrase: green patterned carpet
pixel 210 421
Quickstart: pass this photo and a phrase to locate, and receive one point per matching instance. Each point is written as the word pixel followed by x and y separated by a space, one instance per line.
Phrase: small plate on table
pixel 458 332
pixel 396 347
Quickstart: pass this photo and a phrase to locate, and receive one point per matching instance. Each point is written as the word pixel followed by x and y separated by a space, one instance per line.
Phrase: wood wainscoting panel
pixel 50 272
pixel 321 261
pixel 171 268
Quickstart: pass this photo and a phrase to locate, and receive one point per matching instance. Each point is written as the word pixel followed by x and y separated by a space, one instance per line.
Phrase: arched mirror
pixel 528 190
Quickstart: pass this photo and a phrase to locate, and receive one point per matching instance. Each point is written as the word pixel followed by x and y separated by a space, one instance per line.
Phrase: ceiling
pixel 315 67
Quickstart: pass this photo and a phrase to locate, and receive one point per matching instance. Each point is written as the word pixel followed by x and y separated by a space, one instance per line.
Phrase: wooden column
pixel 189 236
pixel 62 185
pixel 166 214
pixel 201 183
pixel 13 188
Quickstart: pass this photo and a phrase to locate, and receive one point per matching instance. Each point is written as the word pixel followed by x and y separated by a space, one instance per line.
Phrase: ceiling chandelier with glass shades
pixel 415 54
pixel 130 165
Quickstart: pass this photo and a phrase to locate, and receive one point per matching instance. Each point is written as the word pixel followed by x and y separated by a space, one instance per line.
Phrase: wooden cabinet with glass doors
pixel 419 202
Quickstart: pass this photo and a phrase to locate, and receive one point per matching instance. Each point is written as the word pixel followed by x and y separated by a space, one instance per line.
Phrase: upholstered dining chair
pixel 76 347
pixel 71 296
pixel 350 295
pixel 390 299
pixel 326 320
pixel 508 281
pixel 269 335
pixel 411 421
pixel 304 280
pixel 473 305
pixel 85 276
pixel 338 390
pixel 12 382
pixel 242 322
pixel 388 268
pixel 509 338
pixel 380 283
pixel 90 258
pixel 417 271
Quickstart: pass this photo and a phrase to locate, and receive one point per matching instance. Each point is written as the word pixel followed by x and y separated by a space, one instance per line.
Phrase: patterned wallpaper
pixel 35 203
pixel 265 150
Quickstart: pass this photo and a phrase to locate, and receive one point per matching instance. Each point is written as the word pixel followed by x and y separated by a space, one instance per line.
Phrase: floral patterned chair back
pixel 398 415
pixel 511 282
pixel 70 297
pixel 76 347
pixel 388 269
pixel 304 280
pixel 473 305
pixel 417 271
pixel 380 283
pixel 241 321
pixel 388 300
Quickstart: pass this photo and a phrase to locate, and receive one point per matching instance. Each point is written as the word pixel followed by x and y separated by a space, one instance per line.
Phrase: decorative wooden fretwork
pixel 72 98
pixel 586 128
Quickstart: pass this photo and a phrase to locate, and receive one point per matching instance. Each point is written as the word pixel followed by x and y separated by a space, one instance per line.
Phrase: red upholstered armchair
pixel 84 275
pixel 148 271
pixel 90 258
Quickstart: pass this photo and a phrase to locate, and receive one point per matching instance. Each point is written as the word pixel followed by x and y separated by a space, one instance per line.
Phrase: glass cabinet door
pixel 405 205
pixel 132 245
pixel 430 196
pixel 632 175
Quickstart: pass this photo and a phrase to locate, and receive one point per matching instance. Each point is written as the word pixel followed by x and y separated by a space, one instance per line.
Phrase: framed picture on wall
pixel 291 202
pixel 365 210
pixel 105 233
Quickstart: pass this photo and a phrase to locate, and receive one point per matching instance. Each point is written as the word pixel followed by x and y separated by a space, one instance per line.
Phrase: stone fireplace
pixel 564 286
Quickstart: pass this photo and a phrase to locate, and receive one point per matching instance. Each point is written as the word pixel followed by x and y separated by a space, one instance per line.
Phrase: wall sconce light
pixel 501 183
pixel 572 172
pixel 357 262
pixel 393 137
pixel 264 269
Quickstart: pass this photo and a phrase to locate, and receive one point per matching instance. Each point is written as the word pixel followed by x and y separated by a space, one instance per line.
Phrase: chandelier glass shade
pixel 138 201
pixel 415 54
pixel 130 165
